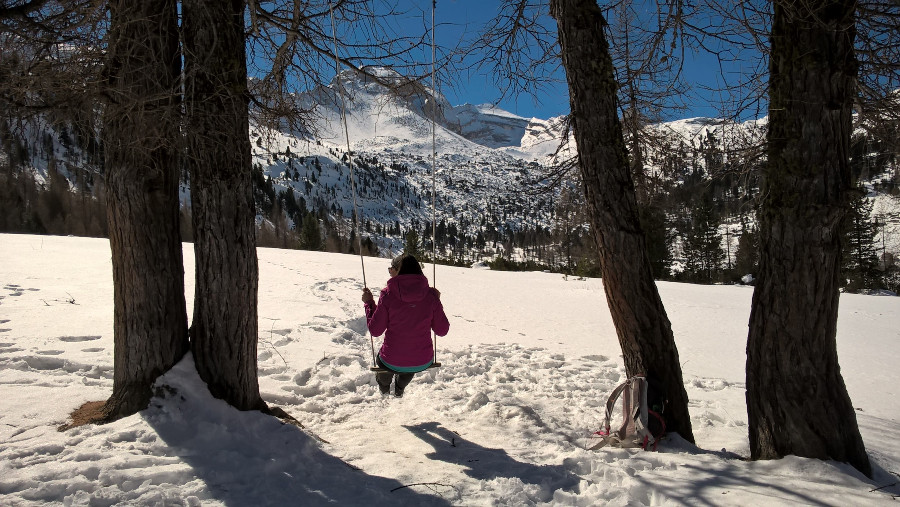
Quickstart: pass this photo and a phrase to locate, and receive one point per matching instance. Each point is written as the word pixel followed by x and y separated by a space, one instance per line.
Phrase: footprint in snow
pixel 71 339
pixel 711 384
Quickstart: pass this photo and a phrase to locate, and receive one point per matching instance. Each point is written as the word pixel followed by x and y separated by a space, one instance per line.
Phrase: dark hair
pixel 406 264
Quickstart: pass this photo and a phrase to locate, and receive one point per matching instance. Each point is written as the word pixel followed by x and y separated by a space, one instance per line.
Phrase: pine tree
pixel 746 260
pixel 310 234
pixel 703 245
pixel 369 247
pixel 413 246
pixel 860 257
pixel 656 231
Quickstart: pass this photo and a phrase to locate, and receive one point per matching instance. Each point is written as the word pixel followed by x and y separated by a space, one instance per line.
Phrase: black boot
pixel 403 380
pixel 384 382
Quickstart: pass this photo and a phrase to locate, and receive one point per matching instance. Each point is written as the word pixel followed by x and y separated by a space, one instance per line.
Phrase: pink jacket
pixel 408 310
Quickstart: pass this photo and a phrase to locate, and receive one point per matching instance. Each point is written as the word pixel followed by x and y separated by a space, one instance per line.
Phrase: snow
pixel 527 367
pixel 488 125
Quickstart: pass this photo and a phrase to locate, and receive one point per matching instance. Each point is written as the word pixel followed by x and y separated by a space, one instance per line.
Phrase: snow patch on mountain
pixel 387 111
pixel 490 126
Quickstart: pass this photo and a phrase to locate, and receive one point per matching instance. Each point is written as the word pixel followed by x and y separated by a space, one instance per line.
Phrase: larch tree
pixel 644 331
pixel 153 115
pixel 878 51
pixel 644 53
pixel 224 327
pixel 140 134
pixel 293 36
pixel 797 402
pixel 121 58
pixel 217 118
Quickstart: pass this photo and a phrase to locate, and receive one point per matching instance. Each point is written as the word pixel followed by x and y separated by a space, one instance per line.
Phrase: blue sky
pixel 455 16
pixel 458 18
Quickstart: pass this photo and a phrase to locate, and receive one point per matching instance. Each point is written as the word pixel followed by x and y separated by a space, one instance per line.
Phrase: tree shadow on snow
pixel 485 463
pixel 712 480
pixel 885 482
pixel 249 458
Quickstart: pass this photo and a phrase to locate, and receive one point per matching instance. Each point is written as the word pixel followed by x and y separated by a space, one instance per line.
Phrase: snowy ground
pixel 528 363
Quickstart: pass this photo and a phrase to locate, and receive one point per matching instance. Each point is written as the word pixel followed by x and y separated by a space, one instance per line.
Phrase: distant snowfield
pixel 527 366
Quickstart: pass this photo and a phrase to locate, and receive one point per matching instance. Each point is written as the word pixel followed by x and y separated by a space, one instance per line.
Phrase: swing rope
pixel 349 162
pixel 375 366
pixel 433 171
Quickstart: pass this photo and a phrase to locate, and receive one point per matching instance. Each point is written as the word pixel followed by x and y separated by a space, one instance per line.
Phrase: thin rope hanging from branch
pixel 433 172
pixel 340 86
pixel 433 156
pixel 337 76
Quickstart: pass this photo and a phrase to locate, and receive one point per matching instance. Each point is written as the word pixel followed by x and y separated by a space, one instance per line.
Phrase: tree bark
pixel 224 329
pixel 797 402
pixel 642 325
pixel 140 128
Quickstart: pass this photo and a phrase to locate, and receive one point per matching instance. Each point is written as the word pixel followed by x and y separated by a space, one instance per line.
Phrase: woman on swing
pixel 407 311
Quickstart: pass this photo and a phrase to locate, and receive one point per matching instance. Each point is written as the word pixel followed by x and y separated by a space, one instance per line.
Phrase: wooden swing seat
pixel 378 369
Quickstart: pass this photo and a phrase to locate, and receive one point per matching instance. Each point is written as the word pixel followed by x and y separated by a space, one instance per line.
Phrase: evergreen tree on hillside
pixel 413 245
pixel 310 234
pixel 703 246
pixel 263 190
pixel 860 258
pixel 656 231
pixel 746 260
pixel 369 247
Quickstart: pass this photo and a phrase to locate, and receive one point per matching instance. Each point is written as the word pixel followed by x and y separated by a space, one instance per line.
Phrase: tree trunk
pixel 224 329
pixel 796 399
pixel 141 132
pixel 642 325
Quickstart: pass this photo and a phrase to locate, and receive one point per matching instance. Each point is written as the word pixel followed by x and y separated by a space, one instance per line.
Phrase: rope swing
pixel 337 72
pixel 433 171
pixel 356 214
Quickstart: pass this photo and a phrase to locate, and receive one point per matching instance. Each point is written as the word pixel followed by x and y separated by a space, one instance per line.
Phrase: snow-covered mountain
pixel 489 126
pixel 387 111
pixel 491 164
pixel 485 158
pixel 490 186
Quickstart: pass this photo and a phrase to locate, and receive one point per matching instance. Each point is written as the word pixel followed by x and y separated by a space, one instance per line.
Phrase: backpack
pixel 643 403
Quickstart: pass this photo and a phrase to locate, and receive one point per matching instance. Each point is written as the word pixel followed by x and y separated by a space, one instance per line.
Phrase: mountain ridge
pixel 491 173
